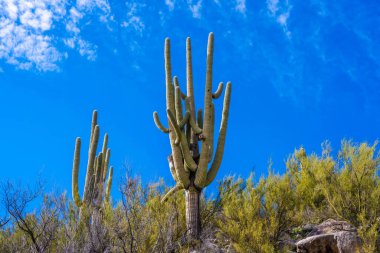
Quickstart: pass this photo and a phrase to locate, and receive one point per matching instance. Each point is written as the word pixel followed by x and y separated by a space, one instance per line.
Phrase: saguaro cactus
pixel 188 166
pixel 97 165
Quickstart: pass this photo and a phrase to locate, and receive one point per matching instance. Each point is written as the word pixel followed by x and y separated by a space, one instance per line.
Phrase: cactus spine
pixel 189 167
pixel 97 165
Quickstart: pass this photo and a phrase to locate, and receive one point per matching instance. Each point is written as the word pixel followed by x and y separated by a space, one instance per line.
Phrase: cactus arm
pixel 178 103
pixel 200 118
pixel 98 169
pixel 109 184
pixel 106 163
pixel 168 77
pixel 91 189
pixel 177 130
pixel 96 191
pixel 98 183
pixel 172 168
pixel 189 161
pixel 194 126
pixel 218 91
pixel 75 190
pixel 182 174
pixel 91 163
pixel 212 126
pixel 92 160
pixel 158 123
pixel 190 135
pixel 200 177
pixel 183 143
pixel 184 120
pixel 176 84
pixel 104 154
pixel 94 123
pixel 104 148
pixel 173 190
pixel 188 131
pixel 189 76
pixel 222 137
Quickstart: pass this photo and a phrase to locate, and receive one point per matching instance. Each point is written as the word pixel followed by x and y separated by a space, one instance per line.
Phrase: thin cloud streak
pixel 280 11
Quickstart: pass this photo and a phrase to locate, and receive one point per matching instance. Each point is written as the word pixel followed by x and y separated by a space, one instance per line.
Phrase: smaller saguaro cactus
pixel 97 166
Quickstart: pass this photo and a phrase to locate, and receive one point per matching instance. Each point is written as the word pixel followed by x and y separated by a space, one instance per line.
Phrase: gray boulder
pixel 331 236
pixel 325 243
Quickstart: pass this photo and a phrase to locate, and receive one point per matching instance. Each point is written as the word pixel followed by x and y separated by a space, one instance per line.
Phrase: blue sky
pixel 302 72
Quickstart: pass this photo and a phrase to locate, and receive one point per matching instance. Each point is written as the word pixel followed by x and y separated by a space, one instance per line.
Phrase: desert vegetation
pixel 244 215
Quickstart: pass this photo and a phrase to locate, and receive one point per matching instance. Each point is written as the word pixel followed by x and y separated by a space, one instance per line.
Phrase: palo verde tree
pixel 189 161
pixel 97 166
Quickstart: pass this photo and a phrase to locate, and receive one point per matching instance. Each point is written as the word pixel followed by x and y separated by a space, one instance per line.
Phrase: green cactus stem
pixel 191 133
pixel 184 120
pixel 200 177
pixel 75 190
pixel 222 137
pixel 176 84
pixel 173 190
pixel 109 184
pixel 172 169
pixel 188 160
pixel 159 125
pixel 194 127
pixel 106 163
pixel 218 91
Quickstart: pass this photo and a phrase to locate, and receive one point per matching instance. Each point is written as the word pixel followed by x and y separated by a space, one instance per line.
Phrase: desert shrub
pixel 255 217
pixel 246 215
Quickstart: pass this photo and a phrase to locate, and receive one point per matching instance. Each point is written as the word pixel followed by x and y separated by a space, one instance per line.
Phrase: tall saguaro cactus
pixel 189 166
pixel 97 165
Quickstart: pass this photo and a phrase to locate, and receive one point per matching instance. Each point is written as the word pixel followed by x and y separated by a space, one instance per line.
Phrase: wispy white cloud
pixel 170 4
pixel 133 20
pixel 272 6
pixel 195 8
pixel 100 6
pixel 28 37
pixel 240 6
pixel 280 11
pixel 87 49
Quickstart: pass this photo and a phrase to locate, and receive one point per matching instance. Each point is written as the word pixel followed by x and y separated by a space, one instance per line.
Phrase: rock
pixel 348 242
pixel 318 244
pixel 332 226
pixel 331 236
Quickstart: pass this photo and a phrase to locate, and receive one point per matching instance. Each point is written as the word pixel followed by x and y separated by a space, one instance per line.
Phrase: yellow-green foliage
pixel 249 215
pixel 310 175
pixel 255 217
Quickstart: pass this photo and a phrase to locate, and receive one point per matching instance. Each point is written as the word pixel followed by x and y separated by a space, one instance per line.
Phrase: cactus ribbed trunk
pixel 193 219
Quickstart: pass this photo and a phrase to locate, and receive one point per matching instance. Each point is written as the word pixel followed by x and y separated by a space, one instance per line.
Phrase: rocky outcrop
pixel 325 243
pixel 330 236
